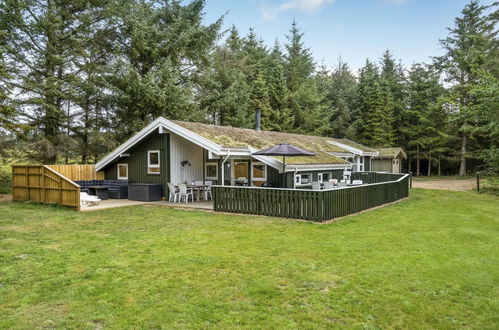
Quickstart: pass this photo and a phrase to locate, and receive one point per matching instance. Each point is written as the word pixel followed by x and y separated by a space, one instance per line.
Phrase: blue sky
pixel 352 29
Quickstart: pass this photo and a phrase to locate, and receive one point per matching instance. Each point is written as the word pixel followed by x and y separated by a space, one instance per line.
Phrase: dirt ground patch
pixel 5 198
pixel 459 185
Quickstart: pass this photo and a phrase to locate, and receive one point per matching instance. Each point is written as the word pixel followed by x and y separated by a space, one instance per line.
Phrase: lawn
pixel 431 261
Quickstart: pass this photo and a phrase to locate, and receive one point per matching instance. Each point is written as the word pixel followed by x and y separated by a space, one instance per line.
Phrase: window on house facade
pixel 211 170
pixel 258 173
pixel 122 171
pixel 303 179
pixel 324 177
pixel 153 162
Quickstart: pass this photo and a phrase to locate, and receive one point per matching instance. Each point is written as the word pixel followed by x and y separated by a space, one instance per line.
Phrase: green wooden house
pixel 177 151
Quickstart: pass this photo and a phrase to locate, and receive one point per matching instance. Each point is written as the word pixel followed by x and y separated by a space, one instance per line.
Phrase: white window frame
pixel 118 170
pixel 264 171
pixel 206 170
pixel 299 177
pixel 149 165
pixel 320 176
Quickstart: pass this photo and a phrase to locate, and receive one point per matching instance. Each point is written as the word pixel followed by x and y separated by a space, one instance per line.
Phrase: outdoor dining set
pixel 196 191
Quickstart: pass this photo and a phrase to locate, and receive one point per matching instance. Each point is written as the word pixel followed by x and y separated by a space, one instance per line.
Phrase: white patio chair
pixel 328 185
pixel 172 197
pixel 207 190
pixel 342 184
pixel 347 175
pixel 184 193
pixel 198 183
pixel 357 182
pixel 316 185
pixel 88 200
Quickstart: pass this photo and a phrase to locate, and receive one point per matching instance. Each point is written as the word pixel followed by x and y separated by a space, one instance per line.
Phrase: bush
pixel 5 179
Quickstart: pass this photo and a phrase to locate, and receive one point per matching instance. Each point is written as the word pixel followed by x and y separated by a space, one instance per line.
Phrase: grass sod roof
pixel 233 137
pixel 390 152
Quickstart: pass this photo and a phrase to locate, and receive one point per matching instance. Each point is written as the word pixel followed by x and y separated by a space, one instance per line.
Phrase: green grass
pixel 428 262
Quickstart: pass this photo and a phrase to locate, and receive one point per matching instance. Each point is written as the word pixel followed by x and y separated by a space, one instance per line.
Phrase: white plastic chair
pixel 357 182
pixel 198 183
pixel 346 175
pixel 316 185
pixel 173 192
pixel 328 185
pixel 207 190
pixel 184 193
pixel 88 200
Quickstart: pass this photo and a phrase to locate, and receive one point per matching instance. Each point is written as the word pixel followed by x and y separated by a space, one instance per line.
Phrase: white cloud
pixel 269 12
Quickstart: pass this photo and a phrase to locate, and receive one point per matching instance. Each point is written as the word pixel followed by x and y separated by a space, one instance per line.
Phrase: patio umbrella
pixel 283 149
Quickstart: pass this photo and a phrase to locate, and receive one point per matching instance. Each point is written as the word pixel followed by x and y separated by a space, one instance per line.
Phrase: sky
pixel 353 29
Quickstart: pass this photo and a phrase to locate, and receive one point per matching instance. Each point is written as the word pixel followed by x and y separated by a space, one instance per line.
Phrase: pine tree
pixel 423 121
pixel 225 93
pixel 91 118
pixel 468 49
pixel 163 48
pixel 43 38
pixel 392 75
pixel 374 119
pixel 279 117
pixel 304 98
pixel 342 93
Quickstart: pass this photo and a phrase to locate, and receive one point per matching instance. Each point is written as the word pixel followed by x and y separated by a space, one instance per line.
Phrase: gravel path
pixel 459 185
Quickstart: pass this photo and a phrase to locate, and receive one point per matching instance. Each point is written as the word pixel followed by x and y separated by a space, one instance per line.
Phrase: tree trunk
pixel 439 167
pixel 417 162
pixel 462 167
pixel 429 163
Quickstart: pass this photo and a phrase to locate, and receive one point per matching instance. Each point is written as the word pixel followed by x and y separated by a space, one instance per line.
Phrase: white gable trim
pixel 317 167
pixel 353 150
pixel 161 124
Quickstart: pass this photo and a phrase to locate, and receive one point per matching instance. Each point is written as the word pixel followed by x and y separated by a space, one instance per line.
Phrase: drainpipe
pixel 294 176
pixel 223 167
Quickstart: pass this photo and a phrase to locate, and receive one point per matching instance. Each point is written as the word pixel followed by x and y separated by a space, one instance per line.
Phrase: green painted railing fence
pixel 313 205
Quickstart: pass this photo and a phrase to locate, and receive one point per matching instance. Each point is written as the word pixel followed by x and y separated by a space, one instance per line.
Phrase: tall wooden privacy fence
pixel 313 205
pixel 40 183
pixel 78 172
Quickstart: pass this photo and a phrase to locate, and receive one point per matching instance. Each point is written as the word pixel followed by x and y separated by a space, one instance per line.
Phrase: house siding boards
pixel 382 165
pixel 137 162
pixel 183 150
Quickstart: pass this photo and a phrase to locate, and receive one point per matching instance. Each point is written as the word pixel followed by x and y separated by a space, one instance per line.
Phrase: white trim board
pixel 353 149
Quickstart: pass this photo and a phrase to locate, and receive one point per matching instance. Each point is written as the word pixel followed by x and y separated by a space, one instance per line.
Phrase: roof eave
pixel 156 124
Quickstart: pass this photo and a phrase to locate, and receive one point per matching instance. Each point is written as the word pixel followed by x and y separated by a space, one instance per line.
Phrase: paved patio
pixel 113 203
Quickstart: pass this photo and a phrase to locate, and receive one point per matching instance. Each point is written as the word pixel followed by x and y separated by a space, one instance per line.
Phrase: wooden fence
pixel 376 177
pixel 78 172
pixel 40 183
pixel 313 205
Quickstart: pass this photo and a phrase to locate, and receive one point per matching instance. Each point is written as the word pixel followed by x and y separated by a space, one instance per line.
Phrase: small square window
pixel 303 179
pixel 259 171
pixel 211 171
pixel 122 171
pixel 324 177
pixel 153 162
